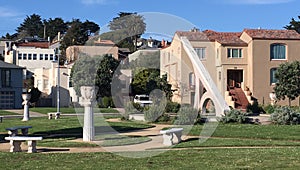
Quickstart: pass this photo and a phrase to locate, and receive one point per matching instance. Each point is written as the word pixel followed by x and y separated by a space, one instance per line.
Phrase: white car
pixel 143 100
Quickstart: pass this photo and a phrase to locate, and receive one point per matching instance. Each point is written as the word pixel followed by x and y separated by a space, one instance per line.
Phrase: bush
pixel 153 113
pixel 130 109
pixel 255 108
pixel 186 116
pixel 270 108
pixel 285 116
pixel 172 107
pixel 234 116
pixel 107 102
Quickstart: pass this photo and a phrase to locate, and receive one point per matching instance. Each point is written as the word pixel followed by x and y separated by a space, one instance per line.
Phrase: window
pixel 20 56
pixel 201 53
pixel 6 78
pixel 24 56
pixel 273 79
pixel 278 52
pixel 41 57
pixel 46 57
pixel 234 53
pixel 29 56
pixel 192 80
pixel 34 56
pixel 51 57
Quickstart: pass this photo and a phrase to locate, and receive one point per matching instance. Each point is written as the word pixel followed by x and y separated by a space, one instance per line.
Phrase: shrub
pixel 234 116
pixel 270 108
pixel 107 102
pixel 186 116
pixel 255 108
pixel 129 109
pixel 172 107
pixel 285 116
pixel 153 113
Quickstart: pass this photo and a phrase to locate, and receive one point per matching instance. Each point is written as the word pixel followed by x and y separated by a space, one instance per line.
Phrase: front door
pixel 234 78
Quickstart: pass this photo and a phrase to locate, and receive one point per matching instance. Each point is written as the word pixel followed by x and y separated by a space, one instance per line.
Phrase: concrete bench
pixel 13 131
pixel 168 136
pixel 1 119
pixel 52 114
pixel 15 143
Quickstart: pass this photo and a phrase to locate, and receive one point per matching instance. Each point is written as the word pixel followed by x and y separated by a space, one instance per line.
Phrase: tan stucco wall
pixel 262 64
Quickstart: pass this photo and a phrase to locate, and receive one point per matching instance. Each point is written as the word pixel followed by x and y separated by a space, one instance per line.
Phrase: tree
pixel 148 80
pixel 91 27
pixel 53 26
pixel 83 72
pixel 95 71
pixel 31 26
pixel 288 85
pixel 131 24
pixel 106 72
pixel 77 34
pixel 294 25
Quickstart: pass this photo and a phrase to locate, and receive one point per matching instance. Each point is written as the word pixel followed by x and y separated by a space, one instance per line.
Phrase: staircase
pixel 239 98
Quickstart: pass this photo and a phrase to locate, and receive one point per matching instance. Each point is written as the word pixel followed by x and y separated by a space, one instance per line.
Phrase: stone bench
pixel 13 131
pixel 15 143
pixel 1 119
pixel 168 136
pixel 52 114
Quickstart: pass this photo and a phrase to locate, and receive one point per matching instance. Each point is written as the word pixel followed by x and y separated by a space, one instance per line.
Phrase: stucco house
pixel 11 86
pixel 241 64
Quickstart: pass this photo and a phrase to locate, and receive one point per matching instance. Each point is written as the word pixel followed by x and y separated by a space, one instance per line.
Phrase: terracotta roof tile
pixel 225 38
pixel 193 36
pixel 34 44
pixel 273 34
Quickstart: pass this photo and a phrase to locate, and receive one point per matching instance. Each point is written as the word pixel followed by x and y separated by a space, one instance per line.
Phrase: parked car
pixel 143 100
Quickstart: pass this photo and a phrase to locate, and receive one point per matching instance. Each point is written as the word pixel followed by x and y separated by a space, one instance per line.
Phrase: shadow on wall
pixel 51 100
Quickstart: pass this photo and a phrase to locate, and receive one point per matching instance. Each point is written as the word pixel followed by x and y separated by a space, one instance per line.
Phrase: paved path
pixel 153 133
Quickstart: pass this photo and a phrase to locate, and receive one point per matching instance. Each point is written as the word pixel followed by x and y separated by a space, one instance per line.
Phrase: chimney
pixel 195 29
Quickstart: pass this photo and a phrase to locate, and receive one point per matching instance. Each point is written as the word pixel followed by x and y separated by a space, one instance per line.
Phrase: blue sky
pixel 162 16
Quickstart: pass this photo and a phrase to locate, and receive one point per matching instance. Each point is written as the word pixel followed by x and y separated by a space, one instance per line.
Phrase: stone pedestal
pixel 88 94
pixel 26 97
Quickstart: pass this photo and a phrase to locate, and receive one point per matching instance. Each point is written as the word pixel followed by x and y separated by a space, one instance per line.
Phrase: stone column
pixel 26 97
pixel 88 94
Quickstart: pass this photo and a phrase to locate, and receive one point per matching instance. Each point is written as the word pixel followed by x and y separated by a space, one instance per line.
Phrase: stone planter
pixel 88 96
pixel 26 97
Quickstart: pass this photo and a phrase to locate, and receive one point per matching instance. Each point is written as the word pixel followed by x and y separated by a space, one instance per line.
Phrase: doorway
pixel 234 78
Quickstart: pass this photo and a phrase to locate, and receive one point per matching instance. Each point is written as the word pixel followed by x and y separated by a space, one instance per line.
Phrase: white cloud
pixel 260 2
pixel 6 12
pixel 97 2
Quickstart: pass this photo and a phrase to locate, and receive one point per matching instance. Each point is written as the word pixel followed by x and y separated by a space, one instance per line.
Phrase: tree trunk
pixel 290 102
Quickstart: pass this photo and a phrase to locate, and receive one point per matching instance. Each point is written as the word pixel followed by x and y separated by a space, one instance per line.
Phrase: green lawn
pixel 274 158
pixel 62 132
pixel 68 110
pixel 280 147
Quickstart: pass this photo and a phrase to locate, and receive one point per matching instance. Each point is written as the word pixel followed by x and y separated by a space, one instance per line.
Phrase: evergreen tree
pixel 288 85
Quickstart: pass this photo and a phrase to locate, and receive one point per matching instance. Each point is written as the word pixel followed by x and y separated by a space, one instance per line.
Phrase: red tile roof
pixel 34 44
pixel 273 34
pixel 225 38
pixel 193 36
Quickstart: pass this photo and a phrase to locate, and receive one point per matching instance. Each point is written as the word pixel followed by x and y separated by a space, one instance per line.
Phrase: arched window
pixel 273 79
pixel 278 51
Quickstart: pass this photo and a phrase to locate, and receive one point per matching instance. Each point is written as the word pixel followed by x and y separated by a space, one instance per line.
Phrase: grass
pixel 274 158
pixel 248 131
pixel 5 113
pixel 62 132
pixel 282 147
pixel 70 110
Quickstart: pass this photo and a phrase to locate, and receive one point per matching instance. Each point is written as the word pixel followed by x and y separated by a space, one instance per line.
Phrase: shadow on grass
pixel 78 132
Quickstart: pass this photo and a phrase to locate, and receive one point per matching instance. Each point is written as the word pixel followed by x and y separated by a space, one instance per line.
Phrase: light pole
pixel 57 51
